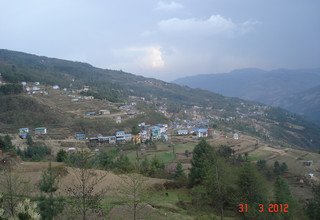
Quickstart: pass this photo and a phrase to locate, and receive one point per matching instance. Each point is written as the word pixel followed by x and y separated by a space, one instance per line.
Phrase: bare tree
pixel 133 192
pixel 85 198
pixel 13 187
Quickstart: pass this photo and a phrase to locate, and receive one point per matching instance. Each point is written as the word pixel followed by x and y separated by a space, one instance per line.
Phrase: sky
pixel 167 39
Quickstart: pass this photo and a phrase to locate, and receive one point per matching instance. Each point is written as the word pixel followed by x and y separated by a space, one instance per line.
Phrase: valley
pixel 149 124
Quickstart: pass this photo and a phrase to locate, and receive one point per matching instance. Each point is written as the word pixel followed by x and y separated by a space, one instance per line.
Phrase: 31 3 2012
pixel 271 208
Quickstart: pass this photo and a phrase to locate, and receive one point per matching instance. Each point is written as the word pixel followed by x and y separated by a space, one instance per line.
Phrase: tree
pixel 61 156
pixel 145 167
pixel 49 205
pixel 84 197
pixel 225 151
pixel 179 173
pixel 283 168
pixel 106 159
pixel 203 156
pixel 276 168
pixel 29 140
pixel 123 165
pixel 283 195
pixel 313 206
pixel 6 144
pixel 261 165
pixel 13 187
pixel 133 192
pixel 251 189
pixel 26 210
pixel 156 167
pixel 135 130
pixel 219 185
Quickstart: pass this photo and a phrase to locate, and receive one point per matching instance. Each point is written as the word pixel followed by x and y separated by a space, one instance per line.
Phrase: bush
pixel 61 156
pixel 37 153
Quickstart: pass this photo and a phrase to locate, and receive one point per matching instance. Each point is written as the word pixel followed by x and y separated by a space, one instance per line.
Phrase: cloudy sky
pixel 167 39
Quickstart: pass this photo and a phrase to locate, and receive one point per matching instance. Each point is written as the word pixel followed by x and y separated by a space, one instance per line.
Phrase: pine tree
pixel 276 168
pixel 49 205
pixel 261 165
pixel 313 207
pixel 251 189
pixel 202 159
pixel 6 144
pixel 283 196
pixel 283 168
pixel 179 173
pixel 219 185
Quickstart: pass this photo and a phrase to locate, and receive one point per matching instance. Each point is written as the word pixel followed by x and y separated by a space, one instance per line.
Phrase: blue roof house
pixel 155 132
pixel 201 132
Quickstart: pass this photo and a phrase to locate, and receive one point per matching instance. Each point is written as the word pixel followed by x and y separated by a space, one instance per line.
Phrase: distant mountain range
pixel 295 90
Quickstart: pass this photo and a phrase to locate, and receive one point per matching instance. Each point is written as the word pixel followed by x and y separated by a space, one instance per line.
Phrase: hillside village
pixel 198 125
pixel 195 122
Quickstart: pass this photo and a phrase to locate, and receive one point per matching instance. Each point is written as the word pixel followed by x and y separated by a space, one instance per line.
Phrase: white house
pixel 35 88
pixel 86 88
pixel 182 132
pixel 236 136
pixel 118 120
pixel 55 87
pixel 104 112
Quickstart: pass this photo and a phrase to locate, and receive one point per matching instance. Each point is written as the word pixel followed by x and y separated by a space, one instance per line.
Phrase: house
pixel 35 88
pixel 307 163
pixel 104 112
pixel 90 113
pixel 36 83
pixel 201 132
pixel 128 137
pixel 120 136
pixel 71 149
pixel 24 84
pixel 55 87
pixel 88 97
pixel 80 136
pixel 182 132
pixel 236 136
pixel 310 175
pixel 23 133
pixel 144 135
pixel 112 140
pixel 40 130
pixel 155 132
pixel 118 119
pixel 86 88
pixel 107 139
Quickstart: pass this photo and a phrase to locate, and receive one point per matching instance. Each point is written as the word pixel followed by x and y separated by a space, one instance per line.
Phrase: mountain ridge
pixel 274 87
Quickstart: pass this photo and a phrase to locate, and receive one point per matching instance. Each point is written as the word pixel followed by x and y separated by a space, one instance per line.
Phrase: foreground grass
pixel 167 204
